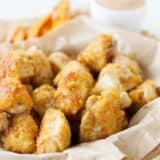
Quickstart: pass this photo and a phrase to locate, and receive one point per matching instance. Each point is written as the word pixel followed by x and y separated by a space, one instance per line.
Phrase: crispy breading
pixel 126 75
pixel 4 122
pixel 43 98
pixel 14 97
pixel 128 61
pixel 21 135
pixel 102 116
pixel 17 64
pixel 109 81
pixel 55 134
pixel 18 34
pixel 74 84
pixel 143 94
pixel 58 60
pixel 42 68
pixel 98 53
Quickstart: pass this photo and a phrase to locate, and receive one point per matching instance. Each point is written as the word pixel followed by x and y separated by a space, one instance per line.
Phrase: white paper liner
pixel 142 139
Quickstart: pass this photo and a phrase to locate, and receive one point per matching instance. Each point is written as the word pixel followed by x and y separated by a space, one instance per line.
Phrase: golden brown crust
pixel 17 64
pixel 143 94
pixel 14 98
pixel 42 68
pixel 97 54
pixel 108 82
pixel 21 135
pixel 102 116
pixel 58 60
pixel 55 134
pixel 4 122
pixel 127 77
pixel 74 84
pixel 43 98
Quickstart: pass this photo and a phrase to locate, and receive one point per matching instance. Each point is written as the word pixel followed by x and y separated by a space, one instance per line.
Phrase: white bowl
pixel 131 19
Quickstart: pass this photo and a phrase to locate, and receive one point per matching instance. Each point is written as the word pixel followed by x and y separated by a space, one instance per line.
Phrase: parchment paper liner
pixel 142 139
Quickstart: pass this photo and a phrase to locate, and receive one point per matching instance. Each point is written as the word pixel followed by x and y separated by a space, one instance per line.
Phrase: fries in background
pixel 54 19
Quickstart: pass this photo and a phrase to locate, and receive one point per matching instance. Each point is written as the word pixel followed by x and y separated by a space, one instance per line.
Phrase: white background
pixel 15 9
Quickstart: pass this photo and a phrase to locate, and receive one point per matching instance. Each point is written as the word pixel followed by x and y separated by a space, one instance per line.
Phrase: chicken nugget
pixel 127 77
pixel 58 60
pixel 102 116
pixel 17 64
pixel 42 68
pixel 143 94
pixel 110 81
pixel 4 122
pixel 98 53
pixel 14 97
pixel 21 135
pixel 55 134
pixel 43 98
pixel 128 61
pixel 74 85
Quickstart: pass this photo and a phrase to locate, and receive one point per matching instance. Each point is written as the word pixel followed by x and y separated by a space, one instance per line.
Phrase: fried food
pixel 42 68
pixel 17 64
pixel 43 98
pixel 110 81
pixel 58 60
pixel 4 122
pixel 128 61
pixel 29 66
pixel 102 116
pixel 126 75
pixel 40 27
pixel 21 135
pixel 55 134
pixel 62 13
pixel 14 97
pixel 98 53
pixel 143 94
pixel 18 34
pixel 74 84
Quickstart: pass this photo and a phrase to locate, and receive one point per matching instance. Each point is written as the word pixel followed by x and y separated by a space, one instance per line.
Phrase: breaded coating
pixel 109 81
pixel 102 116
pixel 74 84
pixel 58 60
pixel 55 134
pixel 43 98
pixel 29 88
pixel 98 53
pixel 126 75
pixel 14 97
pixel 42 68
pixel 17 64
pixel 143 94
pixel 128 61
pixel 4 122
pixel 21 135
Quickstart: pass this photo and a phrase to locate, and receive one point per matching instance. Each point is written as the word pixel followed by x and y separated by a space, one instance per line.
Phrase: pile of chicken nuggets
pixel 50 103
pixel 60 15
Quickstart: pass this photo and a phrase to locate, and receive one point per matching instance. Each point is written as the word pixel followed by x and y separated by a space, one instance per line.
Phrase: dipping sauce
pixel 122 4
